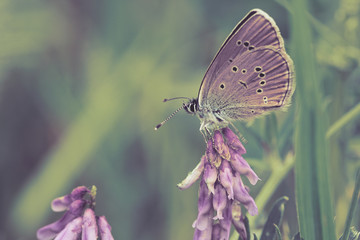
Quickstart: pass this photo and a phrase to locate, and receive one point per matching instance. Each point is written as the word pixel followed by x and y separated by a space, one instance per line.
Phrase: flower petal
pixel 233 140
pixel 225 223
pixel 205 209
pixel 238 220
pixel 51 230
pixel 210 152
pixel 71 231
pixel 89 226
pixel 61 203
pixel 105 229
pixel 226 177
pixel 210 176
pixel 216 229
pixel 193 176
pixel 204 234
pixel 79 192
pixel 243 196
pixel 220 146
pixel 219 201
pixel 240 165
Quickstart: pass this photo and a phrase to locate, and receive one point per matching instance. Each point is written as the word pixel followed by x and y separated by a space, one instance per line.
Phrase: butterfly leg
pixel 242 138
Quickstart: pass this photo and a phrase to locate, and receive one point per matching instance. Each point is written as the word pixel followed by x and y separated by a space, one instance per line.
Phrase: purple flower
pixel 79 220
pixel 221 188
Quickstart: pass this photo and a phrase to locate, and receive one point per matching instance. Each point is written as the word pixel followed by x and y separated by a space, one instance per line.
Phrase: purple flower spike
pixel 71 231
pixel 220 146
pixel 193 176
pixel 233 140
pixel 238 220
pixel 104 229
pixel 210 177
pixel 243 196
pixel 240 165
pixel 79 221
pixel 204 208
pixel 221 187
pixel 89 226
pixel 226 177
pixel 219 201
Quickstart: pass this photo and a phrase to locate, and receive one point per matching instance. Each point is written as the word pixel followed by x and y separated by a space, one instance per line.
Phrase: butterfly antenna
pixel 167 119
pixel 170 99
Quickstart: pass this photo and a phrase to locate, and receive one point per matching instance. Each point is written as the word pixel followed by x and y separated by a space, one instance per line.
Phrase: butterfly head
pixel 191 107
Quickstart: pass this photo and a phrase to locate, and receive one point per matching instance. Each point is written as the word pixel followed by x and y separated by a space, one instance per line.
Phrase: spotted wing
pixel 256 82
pixel 255 30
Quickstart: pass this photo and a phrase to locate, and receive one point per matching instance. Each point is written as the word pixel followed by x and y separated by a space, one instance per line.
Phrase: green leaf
pixel 314 201
pixel 274 219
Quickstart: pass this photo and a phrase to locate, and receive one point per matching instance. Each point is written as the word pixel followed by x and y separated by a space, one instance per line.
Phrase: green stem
pixel 345 119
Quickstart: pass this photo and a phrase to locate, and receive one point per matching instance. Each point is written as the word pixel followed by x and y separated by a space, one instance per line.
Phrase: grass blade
pixel 352 206
pixel 345 119
pixel 314 202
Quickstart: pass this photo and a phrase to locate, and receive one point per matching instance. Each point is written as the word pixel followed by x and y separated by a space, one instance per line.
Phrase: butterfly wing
pixel 256 82
pixel 255 30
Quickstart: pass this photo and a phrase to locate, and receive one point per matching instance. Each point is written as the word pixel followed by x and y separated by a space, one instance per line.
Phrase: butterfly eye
pixel 222 86
pixel 262 82
pixel 238 42
pixel 230 60
pixel 259 90
pixel 262 74
pixel 251 48
pixel 252 111
pixel 243 71
pixel 246 43
pixel 235 69
pixel 257 69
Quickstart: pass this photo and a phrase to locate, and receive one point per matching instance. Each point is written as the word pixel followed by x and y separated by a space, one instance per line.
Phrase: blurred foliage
pixel 81 85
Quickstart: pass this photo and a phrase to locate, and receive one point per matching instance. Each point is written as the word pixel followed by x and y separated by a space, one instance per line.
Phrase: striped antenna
pixel 170 99
pixel 173 114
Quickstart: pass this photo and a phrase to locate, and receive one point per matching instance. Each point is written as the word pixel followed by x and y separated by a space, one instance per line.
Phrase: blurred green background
pixel 81 89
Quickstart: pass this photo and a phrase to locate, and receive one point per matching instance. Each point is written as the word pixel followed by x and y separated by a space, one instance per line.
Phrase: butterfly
pixel 250 76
